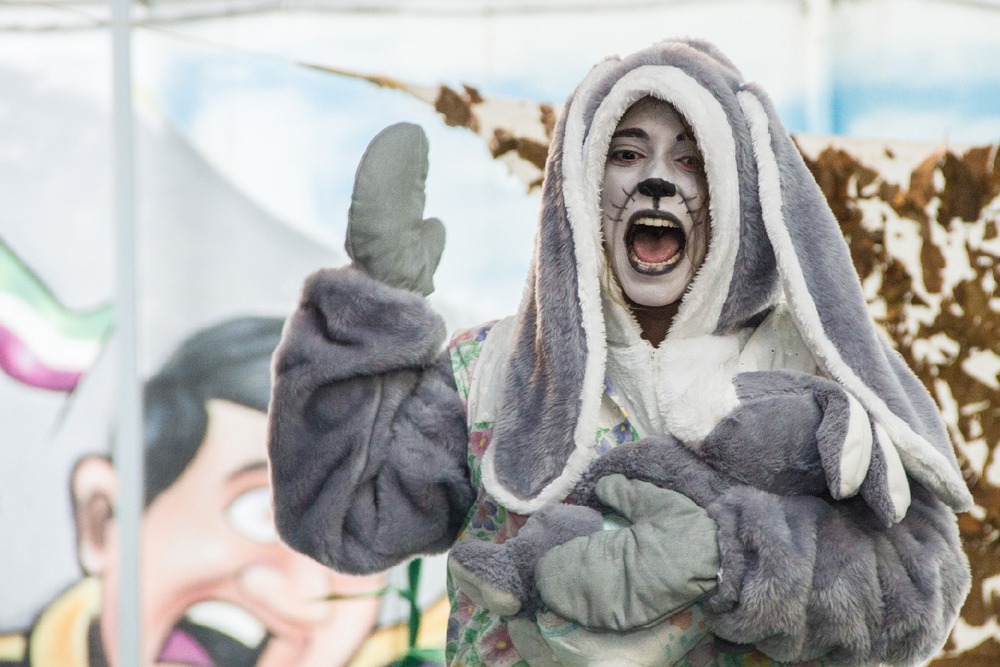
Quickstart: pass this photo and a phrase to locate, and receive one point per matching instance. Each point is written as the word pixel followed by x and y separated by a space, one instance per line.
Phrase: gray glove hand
pixel 632 577
pixel 387 235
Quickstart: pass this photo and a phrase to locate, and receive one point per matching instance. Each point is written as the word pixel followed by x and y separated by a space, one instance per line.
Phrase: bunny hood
pixel 773 240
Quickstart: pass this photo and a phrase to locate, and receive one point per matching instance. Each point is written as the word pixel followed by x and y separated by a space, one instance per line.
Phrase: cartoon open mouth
pixel 655 241
pixel 215 634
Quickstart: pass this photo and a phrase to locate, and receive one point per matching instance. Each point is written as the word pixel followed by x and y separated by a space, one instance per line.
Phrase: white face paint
pixel 654 204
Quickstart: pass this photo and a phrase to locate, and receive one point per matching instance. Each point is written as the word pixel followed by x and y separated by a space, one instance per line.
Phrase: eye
pixel 689 163
pixel 624 156
pixel 250 515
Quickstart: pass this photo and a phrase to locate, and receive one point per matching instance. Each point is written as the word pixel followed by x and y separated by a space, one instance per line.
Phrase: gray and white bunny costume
pixel 773 404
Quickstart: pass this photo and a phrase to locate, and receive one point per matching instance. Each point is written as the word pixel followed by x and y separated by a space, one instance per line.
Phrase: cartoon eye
pixel 250 515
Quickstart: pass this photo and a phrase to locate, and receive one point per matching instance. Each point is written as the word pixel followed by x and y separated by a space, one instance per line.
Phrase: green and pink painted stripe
pixel 42 343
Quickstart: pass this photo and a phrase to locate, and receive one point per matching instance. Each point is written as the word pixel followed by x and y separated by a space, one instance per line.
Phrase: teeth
pixel 656 222
pixel 230 620
pixel 652 267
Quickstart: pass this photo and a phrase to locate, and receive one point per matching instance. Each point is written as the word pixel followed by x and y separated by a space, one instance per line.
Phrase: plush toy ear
pixel 95 490
pixel 829 310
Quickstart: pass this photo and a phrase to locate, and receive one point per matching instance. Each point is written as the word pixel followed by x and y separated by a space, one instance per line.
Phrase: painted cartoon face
pixel 654 204
pixel 218 588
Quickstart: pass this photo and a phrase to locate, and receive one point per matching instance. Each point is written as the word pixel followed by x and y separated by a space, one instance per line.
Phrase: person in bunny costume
pixel 689 446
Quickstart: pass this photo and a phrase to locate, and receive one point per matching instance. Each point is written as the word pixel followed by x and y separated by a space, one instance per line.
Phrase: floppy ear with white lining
pixel 534 459
pixel 828 307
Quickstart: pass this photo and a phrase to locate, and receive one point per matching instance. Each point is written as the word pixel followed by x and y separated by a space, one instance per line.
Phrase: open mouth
pixel 655 242
pixel 215 634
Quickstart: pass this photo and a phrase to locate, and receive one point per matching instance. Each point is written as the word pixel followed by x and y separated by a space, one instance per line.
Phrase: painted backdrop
pixel 250 120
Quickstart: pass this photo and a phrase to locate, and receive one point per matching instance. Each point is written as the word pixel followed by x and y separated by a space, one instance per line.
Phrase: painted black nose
pixel 656 187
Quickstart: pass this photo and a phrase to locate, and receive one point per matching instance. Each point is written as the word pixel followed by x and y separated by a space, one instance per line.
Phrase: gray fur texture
pixel 836 290
pixel 533 436
pixel 785 436
pixel 803 576
pixel 367 434
pixel 830 276
pixel 806 577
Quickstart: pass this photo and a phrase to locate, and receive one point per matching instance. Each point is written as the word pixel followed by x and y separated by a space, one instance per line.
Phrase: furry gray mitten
pixel 806 577
pixel 795 433
pixel 367 432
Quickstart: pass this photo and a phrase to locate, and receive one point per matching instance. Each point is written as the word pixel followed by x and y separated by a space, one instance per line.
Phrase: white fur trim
pixel 695 388
pixel 856 452
pixel 895 476
pixel 702 305
pixel 588 291
pixel 921 459
pixel 485 395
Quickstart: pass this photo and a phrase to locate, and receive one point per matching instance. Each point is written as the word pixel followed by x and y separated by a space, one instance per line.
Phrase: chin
pixel 652 292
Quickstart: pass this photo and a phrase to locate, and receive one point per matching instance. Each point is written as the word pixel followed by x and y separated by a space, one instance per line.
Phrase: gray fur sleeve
pixel 367 434
pixel 805 578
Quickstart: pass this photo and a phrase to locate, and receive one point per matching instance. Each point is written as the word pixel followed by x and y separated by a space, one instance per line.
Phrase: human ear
pixel 94 486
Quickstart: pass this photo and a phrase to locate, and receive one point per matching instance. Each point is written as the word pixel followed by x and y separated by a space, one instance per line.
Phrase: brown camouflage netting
pixel 926 251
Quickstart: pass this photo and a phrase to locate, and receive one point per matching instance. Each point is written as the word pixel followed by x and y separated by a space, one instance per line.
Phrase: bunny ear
pixel 828 306
pixel 534 458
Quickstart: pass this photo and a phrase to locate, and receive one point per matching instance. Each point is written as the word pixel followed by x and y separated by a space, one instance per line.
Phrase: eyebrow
pixel 639 133
pixel 634 132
